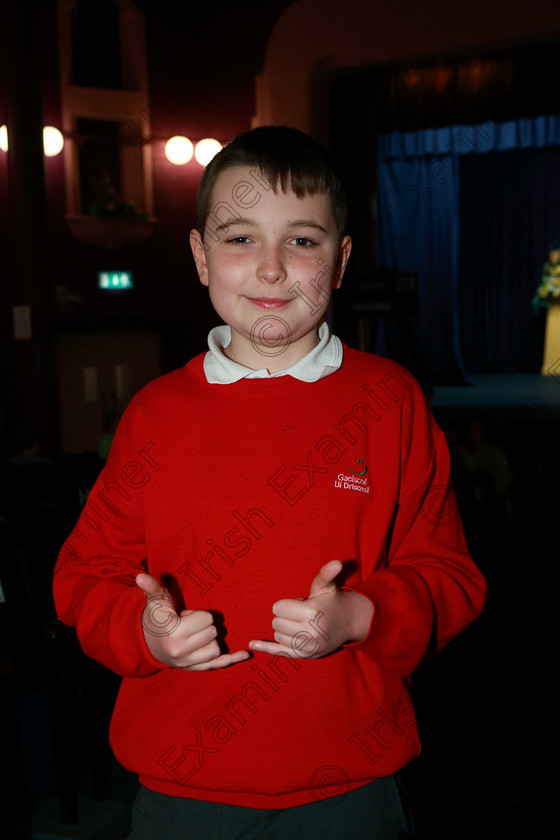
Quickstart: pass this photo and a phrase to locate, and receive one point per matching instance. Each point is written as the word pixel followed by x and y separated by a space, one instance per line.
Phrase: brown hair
pixel 281 156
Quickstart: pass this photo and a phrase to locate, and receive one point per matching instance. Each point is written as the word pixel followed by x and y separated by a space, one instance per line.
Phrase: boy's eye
pixel 239 240
pixel 303 241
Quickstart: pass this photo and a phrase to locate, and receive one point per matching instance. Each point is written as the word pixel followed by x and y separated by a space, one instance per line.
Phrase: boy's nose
pixel 271 267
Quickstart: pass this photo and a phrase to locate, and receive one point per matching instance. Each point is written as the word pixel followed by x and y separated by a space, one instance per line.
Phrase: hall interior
pixel 101 296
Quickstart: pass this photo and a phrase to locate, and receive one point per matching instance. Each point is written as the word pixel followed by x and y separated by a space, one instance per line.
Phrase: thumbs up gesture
pixel 181 640
pixel 321 623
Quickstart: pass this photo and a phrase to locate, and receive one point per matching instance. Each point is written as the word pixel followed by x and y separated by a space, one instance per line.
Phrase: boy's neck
pixel 273 359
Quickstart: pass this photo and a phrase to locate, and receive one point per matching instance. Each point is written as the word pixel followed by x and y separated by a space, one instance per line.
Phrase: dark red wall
pixel 202 62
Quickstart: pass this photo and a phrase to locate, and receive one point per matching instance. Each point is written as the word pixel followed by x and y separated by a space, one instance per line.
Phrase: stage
pixel 524 393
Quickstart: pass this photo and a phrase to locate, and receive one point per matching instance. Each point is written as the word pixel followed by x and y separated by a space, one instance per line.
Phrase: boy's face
pixel 270 261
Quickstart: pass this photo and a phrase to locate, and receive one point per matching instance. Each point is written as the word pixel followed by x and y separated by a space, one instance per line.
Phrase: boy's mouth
pixel 270 303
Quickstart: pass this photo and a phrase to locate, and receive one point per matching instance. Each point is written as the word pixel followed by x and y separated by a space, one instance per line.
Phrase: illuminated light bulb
pixel 4 138
pixel 179 150
pixel 53 141
pixel 411 77
pixel 206 149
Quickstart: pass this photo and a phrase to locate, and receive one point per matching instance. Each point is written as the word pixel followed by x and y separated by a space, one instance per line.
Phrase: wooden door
pixel 98 373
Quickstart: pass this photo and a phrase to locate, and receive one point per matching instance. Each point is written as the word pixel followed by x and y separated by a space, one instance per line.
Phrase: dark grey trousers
pixel 376 811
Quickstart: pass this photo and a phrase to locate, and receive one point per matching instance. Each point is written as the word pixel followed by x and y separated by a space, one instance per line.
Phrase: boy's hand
pixel 320 624
pixel 185 641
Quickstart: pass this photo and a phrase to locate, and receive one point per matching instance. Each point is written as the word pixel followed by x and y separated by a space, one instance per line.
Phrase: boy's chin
pixel 270 333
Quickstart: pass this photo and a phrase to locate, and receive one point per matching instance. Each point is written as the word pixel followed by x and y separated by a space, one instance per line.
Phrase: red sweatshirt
pixel 236 495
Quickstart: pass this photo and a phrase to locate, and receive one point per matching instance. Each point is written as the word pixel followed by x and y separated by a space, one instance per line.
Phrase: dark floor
pixel 487 705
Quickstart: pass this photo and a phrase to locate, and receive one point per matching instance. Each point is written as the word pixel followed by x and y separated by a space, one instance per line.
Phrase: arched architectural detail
pixel 313 37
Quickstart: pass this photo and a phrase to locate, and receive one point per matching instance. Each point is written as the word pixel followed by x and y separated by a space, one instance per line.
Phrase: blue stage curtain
pixel 474 216
pixel 510 219
pixel 418 206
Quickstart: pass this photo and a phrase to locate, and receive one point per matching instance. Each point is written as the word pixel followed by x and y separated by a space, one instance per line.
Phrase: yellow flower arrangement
pixel 549 287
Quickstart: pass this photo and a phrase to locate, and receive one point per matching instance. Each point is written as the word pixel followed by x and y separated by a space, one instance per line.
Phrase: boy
pixel 281 472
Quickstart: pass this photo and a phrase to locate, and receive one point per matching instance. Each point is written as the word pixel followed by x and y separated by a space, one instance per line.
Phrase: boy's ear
pixel 344 250
pixel 199 254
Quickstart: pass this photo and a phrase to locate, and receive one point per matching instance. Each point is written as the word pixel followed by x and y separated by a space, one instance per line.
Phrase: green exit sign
pixel 115 279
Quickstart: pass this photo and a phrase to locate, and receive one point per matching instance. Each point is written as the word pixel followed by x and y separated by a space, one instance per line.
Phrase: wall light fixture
pixel 53 141
pixel 180 150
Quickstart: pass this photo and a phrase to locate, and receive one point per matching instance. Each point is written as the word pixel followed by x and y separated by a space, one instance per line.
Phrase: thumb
pixel 324 582
pixel 160 616
pixel 151 586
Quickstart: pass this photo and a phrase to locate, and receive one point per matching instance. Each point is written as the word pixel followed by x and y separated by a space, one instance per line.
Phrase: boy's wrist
pixel 361 612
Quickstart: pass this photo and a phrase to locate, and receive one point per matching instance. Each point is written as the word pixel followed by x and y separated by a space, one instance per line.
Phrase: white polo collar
pixel 324 359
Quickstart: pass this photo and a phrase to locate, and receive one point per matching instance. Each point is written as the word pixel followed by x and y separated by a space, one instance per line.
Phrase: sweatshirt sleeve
pixel 429 590
pixel 94 580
